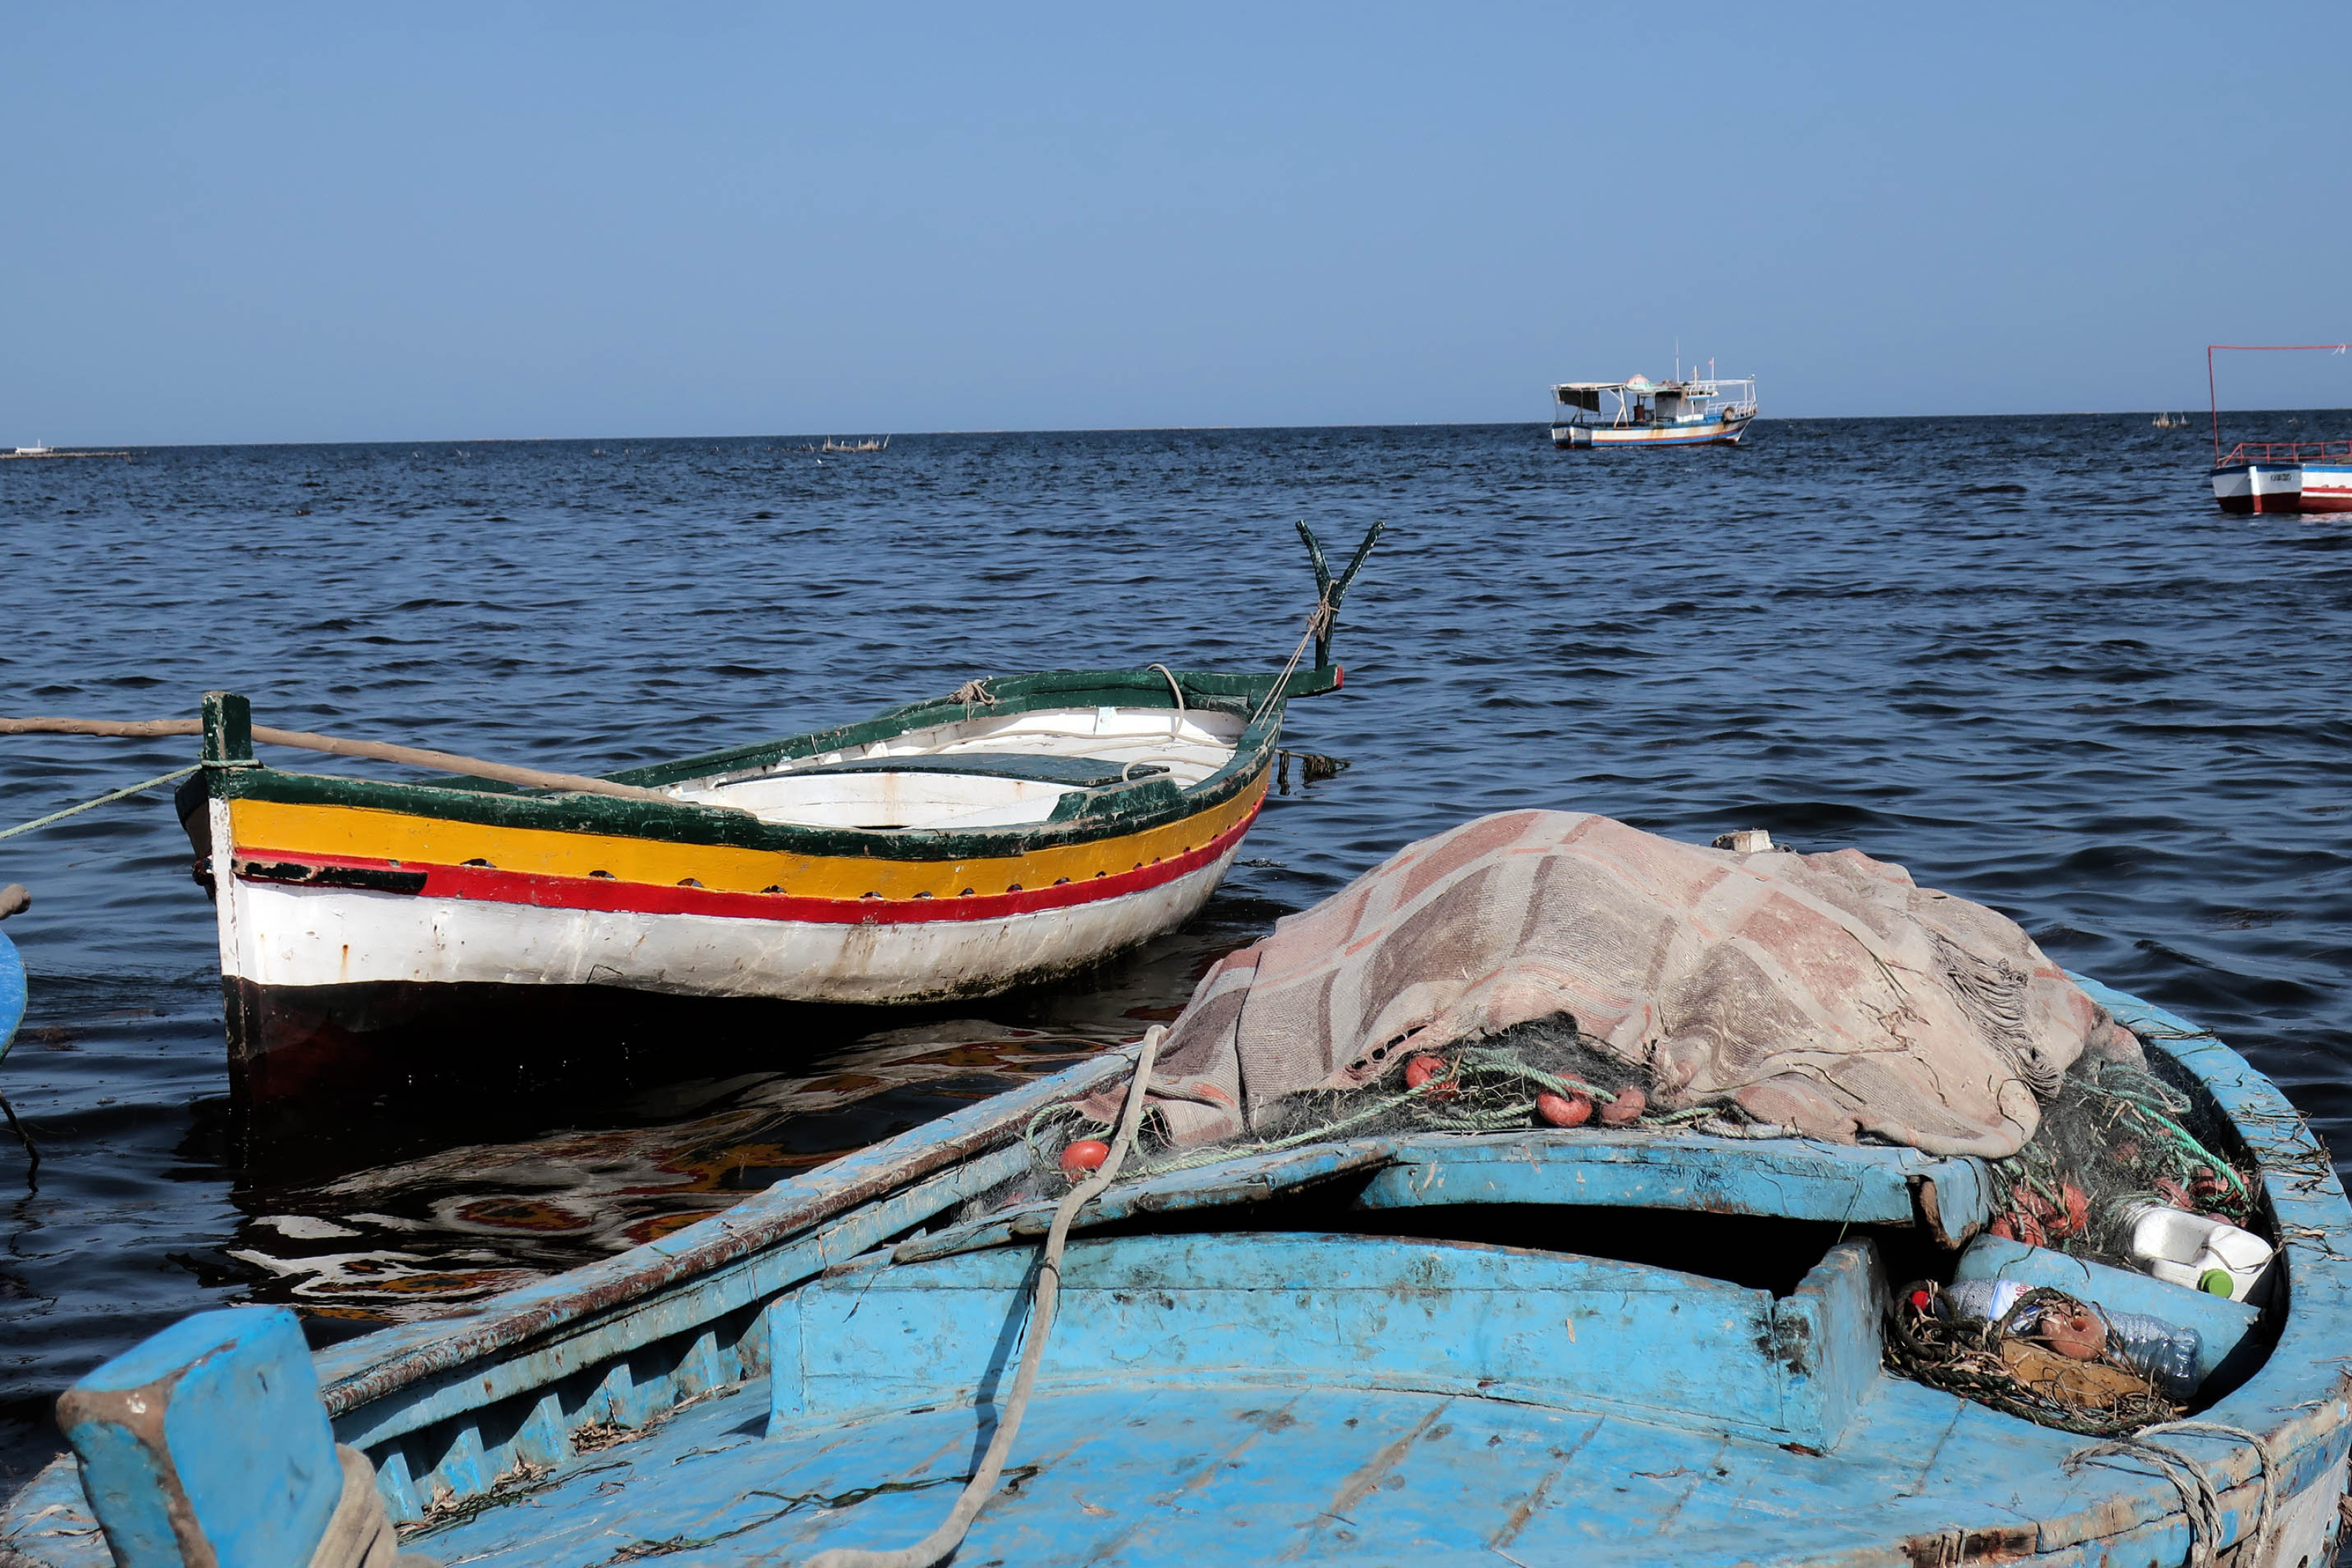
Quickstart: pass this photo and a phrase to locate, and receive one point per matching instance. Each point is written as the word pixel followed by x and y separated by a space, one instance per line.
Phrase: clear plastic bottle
pixel 2164 1354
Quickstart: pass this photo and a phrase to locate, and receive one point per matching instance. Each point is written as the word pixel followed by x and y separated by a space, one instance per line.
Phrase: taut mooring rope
pixel 111 794
pixel 950 1535
pixel 374 751
pixel 1317 622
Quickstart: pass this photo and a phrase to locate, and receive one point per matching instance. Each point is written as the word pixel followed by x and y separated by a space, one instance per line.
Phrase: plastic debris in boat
pixel 2163 1354
pixel 2013 1362
pixel 2196 1251
pixel 2129 1170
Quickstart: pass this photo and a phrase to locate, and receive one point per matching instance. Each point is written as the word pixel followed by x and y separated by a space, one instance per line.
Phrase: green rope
pixel 101 800
pixel 1495 1061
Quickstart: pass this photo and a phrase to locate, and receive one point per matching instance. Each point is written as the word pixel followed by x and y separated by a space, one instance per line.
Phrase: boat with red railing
pixel 2285 476
pixel 2279 476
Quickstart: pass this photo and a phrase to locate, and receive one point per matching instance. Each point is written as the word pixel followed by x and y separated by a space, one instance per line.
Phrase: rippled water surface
pixel 2025 657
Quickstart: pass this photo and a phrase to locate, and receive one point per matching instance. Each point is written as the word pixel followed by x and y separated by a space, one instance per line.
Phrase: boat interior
pixel 1560 1346
pixel 980 771
pixel 1548 1346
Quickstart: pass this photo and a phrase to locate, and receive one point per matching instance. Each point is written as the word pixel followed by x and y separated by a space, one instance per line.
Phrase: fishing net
pixel 1822 994
pixel 2117 1137
pixel 1545 1073
pixel 1548 970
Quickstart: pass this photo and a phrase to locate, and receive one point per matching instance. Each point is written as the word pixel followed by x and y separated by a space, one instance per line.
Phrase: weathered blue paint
pixel 1847 1183
pixel 2224 1326
pixel 205 1446
pixel 1863 1184
pixel 362 1371
pixel 1257 1394
pixel 11 993
pixel 1245 1179
pixel 1289 1311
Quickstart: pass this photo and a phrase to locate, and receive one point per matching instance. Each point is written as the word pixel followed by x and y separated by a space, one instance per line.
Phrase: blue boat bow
pixel 1573 1347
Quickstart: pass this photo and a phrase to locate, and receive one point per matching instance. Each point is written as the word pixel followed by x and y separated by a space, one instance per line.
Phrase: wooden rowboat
pixel 1322 1352
pixel 1017 830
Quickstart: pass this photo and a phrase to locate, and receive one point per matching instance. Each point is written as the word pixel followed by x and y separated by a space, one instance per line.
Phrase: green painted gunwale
pixel 1148 802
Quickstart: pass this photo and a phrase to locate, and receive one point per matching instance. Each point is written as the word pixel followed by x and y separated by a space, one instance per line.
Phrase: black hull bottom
pixel 322 1052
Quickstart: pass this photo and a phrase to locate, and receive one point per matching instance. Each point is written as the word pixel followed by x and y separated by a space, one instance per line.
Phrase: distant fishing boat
pixel 1639 412
pixel 2278 476
pixel 1017 830
pixel 35 450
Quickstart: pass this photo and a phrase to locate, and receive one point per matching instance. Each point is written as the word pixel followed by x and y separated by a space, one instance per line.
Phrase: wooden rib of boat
pixel 1320 1353
pixel 1017 830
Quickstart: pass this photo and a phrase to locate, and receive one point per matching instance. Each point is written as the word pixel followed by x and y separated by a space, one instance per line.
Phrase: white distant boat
pixel 1645 413
pixel 34 450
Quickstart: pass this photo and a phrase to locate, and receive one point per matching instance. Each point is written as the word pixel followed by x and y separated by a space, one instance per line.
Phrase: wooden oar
pixel 378 751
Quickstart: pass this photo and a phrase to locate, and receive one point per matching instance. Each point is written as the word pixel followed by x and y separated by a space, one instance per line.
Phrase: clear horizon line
pixel 1105 429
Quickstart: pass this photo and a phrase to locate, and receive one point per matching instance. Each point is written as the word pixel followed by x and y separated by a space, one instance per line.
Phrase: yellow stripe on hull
pixel 262 826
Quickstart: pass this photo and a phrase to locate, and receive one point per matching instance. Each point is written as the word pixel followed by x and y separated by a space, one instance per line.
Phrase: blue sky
pixel 299 224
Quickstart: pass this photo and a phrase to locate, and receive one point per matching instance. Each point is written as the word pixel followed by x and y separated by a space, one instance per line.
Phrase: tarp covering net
pixel 1556 969
pixel 1639 980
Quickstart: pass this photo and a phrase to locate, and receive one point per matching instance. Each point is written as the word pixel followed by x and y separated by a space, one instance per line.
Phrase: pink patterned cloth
pixel 1826 994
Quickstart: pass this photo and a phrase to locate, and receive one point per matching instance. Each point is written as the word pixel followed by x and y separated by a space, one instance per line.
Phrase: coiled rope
pixel 951 1531
pixel 2199 1501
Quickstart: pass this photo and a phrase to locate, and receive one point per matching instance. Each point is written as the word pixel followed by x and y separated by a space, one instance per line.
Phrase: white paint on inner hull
pixel 1189 746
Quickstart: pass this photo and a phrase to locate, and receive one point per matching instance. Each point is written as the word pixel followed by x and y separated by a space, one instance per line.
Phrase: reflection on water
pixel 409 1237
pixel 401 1240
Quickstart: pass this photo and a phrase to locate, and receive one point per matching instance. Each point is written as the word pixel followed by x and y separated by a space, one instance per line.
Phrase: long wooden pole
pixel 376 751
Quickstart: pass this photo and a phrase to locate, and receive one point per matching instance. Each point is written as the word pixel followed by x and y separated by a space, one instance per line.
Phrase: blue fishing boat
pixel 1560 1345
pixel 13 900
pixel 12 971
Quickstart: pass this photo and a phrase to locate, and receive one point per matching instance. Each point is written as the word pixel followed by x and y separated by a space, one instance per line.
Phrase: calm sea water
pixel 2024 656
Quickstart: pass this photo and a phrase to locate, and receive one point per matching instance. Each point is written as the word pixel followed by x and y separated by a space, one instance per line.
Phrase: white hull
pixel 276 936
pixel 1703 433
pixel 2259 486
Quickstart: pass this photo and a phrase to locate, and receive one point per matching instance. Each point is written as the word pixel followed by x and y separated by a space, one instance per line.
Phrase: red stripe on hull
pixel 2327 500
pixel 487 884
pixel 2280 501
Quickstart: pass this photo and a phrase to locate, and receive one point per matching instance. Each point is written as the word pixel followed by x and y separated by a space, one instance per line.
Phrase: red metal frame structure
pixel 2213 392
pixel 2284 452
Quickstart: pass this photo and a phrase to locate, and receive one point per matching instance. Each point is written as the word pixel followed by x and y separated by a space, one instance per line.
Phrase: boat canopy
pixel 1587 394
